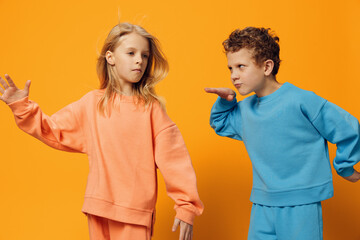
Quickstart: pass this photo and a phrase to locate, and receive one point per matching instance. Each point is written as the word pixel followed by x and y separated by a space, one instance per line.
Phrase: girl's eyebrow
pixel 133 48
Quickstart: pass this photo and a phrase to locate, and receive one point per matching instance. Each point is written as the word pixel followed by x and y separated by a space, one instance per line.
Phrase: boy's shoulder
pixel 302 94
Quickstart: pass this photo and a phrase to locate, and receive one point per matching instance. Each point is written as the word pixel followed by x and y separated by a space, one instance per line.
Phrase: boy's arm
pixel 339 127
pixel 225 115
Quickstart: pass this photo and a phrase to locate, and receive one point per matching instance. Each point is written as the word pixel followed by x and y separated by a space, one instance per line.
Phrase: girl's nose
pixel 139 59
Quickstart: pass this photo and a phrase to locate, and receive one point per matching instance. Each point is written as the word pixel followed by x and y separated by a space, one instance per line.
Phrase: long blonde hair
pixel 156 70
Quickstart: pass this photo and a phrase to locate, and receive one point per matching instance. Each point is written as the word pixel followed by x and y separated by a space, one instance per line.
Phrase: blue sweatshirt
pixel 286 134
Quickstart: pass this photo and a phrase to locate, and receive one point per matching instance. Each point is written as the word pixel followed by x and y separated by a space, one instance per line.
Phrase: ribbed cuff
pixel 19 107
pixel 185 215
pixel 346 172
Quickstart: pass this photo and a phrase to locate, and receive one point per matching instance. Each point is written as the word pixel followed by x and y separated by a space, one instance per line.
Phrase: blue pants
pixel 303 222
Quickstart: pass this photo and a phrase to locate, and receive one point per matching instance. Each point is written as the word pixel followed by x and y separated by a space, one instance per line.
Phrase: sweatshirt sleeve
pixel 339 127
pixel 225 118
pixel 61 130
pixel 174 163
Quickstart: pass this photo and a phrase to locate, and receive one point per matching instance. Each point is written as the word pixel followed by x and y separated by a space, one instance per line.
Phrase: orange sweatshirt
pixel 124 151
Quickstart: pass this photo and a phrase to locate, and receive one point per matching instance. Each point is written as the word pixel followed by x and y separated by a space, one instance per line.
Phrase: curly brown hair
pixel 263 43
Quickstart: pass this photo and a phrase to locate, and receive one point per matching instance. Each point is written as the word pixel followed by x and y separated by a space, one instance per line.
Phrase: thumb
pixel 27 86
pixel 176 224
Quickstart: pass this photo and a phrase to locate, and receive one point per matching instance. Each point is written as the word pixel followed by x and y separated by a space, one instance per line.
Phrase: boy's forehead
pixel 244 54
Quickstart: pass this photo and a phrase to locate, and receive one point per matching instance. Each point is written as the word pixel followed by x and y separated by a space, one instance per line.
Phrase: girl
pixel 127 135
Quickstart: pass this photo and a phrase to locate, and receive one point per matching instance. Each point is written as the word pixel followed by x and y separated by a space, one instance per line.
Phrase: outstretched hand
pixel 10 93
pixel 225 93
pixel 354 177
pixel 186 230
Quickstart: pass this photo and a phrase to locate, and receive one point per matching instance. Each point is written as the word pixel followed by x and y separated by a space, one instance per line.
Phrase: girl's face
pixel 129 60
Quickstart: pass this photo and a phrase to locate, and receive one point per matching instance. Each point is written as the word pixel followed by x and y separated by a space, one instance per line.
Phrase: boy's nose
pixel 235 76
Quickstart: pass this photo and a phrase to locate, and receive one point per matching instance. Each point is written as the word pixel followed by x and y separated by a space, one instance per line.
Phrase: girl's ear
pixel 268 67
pixel 110 58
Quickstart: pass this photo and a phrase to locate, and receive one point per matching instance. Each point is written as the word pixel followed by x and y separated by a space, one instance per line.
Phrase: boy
pixel 285 130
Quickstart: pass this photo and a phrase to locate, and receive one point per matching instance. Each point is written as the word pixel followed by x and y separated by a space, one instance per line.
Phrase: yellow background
pixel 55 44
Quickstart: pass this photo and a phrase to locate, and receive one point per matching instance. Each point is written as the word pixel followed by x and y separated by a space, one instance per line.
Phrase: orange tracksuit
pixel 124 151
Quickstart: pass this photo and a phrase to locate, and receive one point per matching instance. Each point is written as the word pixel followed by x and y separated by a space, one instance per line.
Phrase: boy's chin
pixel 242 93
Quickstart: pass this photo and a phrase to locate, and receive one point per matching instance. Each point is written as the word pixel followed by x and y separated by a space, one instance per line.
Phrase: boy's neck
pixel 270 85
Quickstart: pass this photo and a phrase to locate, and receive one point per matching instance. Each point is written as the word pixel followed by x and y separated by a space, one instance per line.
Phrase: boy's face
pixel 246 75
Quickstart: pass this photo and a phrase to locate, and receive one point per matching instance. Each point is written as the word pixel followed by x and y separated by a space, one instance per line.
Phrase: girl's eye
pixel 241 66
pixel 146 56
pixel 131 53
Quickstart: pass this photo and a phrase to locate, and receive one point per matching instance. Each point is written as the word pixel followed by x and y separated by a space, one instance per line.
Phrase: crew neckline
pixel 273 95
pixel 123 98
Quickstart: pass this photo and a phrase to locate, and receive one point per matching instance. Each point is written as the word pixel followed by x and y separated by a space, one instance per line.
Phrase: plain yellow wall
pixel 55 44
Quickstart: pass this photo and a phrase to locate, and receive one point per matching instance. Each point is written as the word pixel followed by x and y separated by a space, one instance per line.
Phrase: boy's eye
pixel 241 66
pixel 131 53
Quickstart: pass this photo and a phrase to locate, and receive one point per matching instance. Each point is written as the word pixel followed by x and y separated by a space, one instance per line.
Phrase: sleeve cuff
pixel 225 102
pixel 185 215
pixel 19 107
pixel 346 172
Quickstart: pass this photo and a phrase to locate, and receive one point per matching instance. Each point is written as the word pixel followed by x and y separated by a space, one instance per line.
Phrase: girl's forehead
pixel 133 40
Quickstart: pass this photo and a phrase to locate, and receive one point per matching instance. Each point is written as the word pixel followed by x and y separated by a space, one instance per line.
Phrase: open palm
pixel 225 93
pixel 9 91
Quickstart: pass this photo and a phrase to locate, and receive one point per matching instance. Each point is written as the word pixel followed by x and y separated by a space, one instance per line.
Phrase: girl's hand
pixel 225 93
pixel 186 230
pixel 353 178
pixel 10 93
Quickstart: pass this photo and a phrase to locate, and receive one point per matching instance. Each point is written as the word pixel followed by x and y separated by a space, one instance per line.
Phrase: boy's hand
pixel 10 93
pixel 186 230
pixel 225 93
pixel 353 178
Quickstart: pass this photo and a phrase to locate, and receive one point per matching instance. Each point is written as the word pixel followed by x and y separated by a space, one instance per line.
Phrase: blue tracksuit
pixel 286 134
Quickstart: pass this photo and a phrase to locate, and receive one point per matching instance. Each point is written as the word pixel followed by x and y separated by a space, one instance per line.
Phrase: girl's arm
pixel 61 130
pixel 174 163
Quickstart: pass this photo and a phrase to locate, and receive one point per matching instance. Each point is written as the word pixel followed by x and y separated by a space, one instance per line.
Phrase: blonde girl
pixel 127 135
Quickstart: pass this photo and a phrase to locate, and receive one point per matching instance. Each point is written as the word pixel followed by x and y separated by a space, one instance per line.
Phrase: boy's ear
pixel 110 58
pixel 268 67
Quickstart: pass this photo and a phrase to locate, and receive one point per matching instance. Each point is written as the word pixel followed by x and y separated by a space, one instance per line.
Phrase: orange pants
pixel 106 229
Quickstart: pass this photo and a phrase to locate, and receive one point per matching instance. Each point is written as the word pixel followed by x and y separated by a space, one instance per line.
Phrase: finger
pixel 230 97
pixel 4 83
pixel 211 90
pixel 27 86
pixel 189 233
pixel 10 81
pixel 176 224
pixel 182 233
pixel 2 90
